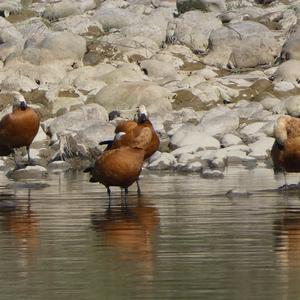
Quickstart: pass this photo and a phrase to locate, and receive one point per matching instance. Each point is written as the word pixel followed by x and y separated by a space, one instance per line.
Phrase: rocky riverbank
pixel 214 76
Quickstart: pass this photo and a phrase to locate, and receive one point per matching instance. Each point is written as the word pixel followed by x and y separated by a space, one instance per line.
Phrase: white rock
pixel 230 140
pixel 252 129
pixel 283 86
pixel 261 149
pixel 129 95
pixel 189 135
pixel 162 161
pixel 219 121
pixel 292 106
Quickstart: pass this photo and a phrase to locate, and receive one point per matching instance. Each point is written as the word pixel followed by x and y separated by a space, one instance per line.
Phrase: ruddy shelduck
pixel 286 148
pixel 120 166
pixel 18 128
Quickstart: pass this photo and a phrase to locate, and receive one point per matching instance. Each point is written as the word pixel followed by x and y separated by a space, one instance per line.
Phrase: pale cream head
pixel 141 114
pixel 19 101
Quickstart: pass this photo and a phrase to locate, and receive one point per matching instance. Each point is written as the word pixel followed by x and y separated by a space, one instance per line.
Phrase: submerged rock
pixel 29 172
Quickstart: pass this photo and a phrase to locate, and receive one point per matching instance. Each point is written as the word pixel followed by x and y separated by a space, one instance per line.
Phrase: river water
pixel 184 238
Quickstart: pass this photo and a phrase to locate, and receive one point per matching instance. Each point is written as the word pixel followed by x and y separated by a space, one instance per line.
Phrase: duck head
pixel 19 102
pixel 142 114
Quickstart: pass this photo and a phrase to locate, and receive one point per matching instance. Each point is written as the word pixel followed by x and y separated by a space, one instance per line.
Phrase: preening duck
pixel 120 166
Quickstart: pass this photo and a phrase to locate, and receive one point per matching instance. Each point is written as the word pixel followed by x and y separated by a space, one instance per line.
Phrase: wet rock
pixel 208 173
pixel 30 172
pixel 59 166
pixel 204 5
pixel 162 161
pixel 241 45
pixel 195 166
pixel 27 185
pixel 237 193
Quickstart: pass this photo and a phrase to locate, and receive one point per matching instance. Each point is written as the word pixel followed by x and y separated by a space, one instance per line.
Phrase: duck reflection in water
pixel 23 226
pixel 131 231
pixel 287 231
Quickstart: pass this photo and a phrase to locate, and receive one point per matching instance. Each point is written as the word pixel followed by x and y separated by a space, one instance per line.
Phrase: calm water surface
pixel 183 239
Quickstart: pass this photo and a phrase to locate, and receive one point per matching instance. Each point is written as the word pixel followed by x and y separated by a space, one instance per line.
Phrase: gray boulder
pixel 292 106
pixel 219 121
pixel 76 120
pixel 241 45
pixel 8 7
pixel 194 27
pixel 204 5
pixel 11 40
pixel 115 17
pixel 57 46
pixel 189 135
pixel 288 71
pixel 291 48
pixel 129 95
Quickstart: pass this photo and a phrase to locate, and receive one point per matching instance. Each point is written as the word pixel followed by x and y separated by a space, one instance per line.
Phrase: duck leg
pixel 126 196
pixel 30 161
pixel 138 188
pixel 18 166
pixel 109 196
pixel 285 186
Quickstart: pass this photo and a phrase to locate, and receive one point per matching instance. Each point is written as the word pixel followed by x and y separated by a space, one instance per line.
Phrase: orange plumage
pixel 286 148
pixel 18 128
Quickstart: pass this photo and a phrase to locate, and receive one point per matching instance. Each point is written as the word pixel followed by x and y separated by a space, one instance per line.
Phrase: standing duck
pixel 120 166
pixel 133 133
pixel 18 128
pixel 286 148
pixel 136 135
